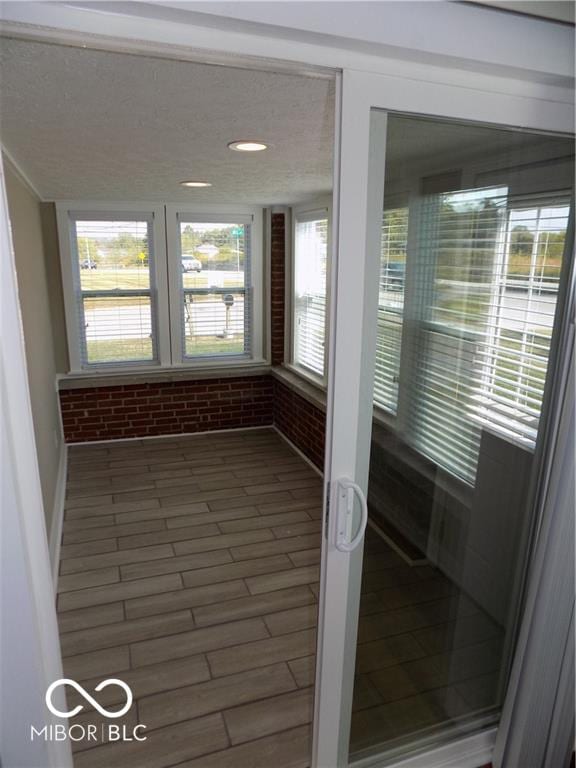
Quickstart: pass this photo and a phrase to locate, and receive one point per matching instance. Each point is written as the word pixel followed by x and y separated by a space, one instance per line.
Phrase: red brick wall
pixel 302 422
pixel 277 276
pixel 167 408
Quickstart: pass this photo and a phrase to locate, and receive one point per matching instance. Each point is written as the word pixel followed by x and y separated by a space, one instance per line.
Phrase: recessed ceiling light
pixel 247 145
pixel 195 183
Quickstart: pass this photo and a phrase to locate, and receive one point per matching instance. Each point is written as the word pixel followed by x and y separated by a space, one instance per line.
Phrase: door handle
pixel 346 490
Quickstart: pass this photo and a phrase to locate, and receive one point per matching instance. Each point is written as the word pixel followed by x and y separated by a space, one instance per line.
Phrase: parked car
pixel 88 264
pixel 190 264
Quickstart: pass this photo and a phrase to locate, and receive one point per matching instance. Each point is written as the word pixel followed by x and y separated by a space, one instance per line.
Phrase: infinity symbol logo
pixel 89 699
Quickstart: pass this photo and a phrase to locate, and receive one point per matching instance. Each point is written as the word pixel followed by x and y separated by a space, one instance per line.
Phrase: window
pixel 481 283
pixel 515 356
pixel 166 286
pixel 215 306
pixel 390 308
pixel 309 294
pixel 114 288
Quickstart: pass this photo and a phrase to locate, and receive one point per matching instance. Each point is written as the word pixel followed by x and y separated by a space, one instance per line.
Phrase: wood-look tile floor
pixel 189 570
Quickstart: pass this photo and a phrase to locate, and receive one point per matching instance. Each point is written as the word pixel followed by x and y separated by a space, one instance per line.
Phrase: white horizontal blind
pixel 215 263
pixel 514 354
pixel 115 292
pixel 486 274
pixel 459 245
pixel 390 307
pixel 310 266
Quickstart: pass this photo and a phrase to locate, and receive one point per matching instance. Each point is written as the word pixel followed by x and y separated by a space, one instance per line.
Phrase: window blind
pixel 514 354
pixel 390 307
pixel 483 281
pixel 115 293
pixel 215 263
pixel 310 265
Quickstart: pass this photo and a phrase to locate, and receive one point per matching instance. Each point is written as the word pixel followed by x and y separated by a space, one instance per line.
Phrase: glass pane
pixel 215 259
pixel 469 282
pixel 113 254
pixel 214 323
pixel 118 329
pixel 310 259
pixel 390 305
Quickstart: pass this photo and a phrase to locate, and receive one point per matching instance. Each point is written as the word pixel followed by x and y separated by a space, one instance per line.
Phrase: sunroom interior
pixel 175 291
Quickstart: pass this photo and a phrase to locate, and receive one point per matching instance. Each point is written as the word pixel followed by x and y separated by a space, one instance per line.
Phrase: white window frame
pixel 216 213
pixel 164 280
pixel 158 281
pixel 320 207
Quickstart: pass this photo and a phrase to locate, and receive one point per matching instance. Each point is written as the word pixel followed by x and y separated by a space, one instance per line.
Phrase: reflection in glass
pixel 472 244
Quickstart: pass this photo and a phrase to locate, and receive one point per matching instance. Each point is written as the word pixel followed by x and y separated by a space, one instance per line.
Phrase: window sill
pixel 153 375
pixel 314 393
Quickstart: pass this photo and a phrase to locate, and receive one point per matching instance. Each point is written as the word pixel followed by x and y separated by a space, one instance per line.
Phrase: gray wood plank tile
pixel 298 529
pixel 163 747
pixel 214 695
pixel 145 681
pixel 184 598
pixel 307 575
pixel 87 548
pixel 290 749
pixel 292 620
pixel 258 605
pixel 221 542
pixel 125 590
pixel 82 523
pixel 274 547
pixel 175 564
pixel 97 663
pixel 83 618
pixel 125 632
pixel 197 641
pixel 264 565
pixel 287 485
pixel 303 670
pixel 263 521
pixel 226 502
pixel 305 557
pixel 212 517
pixel 112 531
pixel 250 655
pixel 116 509
pixel 262 718
pixel 158 513
pixel 164 536
pixel 119 557
pixel 94 578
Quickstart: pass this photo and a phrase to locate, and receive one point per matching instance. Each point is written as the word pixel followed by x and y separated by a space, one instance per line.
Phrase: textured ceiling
pixel 85 124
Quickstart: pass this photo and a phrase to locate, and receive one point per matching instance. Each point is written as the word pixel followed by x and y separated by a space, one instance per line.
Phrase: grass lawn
pixel 126 350
pixel 134 278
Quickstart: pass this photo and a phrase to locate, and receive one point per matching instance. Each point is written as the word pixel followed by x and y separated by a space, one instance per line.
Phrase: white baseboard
pixel 113 440
pixel 58 514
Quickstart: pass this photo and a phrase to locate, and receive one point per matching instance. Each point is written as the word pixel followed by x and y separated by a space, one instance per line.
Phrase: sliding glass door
pixel 437 428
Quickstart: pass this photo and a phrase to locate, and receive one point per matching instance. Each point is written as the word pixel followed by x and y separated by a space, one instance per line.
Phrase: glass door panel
pixel 471 232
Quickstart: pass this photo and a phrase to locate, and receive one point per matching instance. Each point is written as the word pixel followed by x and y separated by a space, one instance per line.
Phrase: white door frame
pixel 501 97
pixel 31 662
pixel 349 415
